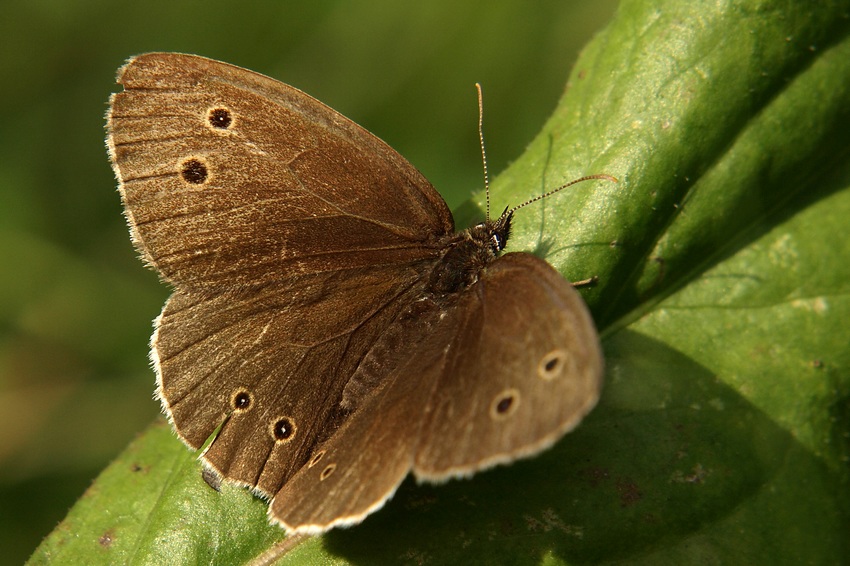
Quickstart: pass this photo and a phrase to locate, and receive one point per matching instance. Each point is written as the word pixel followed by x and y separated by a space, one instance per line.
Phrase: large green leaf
pixel 722 256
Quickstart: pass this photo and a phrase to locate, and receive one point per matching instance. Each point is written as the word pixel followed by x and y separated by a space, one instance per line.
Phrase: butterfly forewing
pixel 233 180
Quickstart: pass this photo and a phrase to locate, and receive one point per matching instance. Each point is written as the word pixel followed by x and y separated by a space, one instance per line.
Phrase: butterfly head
pixel 491 236
pixel 499 231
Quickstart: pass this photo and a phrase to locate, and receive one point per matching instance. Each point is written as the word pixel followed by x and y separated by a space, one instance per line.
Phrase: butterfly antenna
pixel 483 151
pixel 562 187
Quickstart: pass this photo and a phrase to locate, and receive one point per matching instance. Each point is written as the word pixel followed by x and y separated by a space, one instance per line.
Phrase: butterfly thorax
pixel 467 253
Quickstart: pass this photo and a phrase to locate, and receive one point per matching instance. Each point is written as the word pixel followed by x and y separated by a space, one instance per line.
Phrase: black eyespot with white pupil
pixel 241 401
pixel 220 118
pixel 283 429
pixel 194 171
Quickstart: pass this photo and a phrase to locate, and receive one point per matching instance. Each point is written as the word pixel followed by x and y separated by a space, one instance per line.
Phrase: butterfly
pixel 328 327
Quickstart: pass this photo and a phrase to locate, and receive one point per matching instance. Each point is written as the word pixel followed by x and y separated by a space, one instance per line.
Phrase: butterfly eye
pixel 283 430
pixel 496 243
pixel 505 404
pixel 552 364
pixel 220 118
pixel 194 171
pixel 326 473
pixel 242 401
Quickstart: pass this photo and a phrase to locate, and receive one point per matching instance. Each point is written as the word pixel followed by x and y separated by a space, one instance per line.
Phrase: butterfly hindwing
pixel 486 383
pixel 519 375
pixel 251 361
pixel 362 465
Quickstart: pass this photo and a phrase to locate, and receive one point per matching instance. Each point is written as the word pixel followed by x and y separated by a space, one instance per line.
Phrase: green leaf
pixel 722 434
pixel 151 506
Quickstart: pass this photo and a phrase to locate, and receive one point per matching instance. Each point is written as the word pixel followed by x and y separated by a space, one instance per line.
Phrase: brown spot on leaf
pixel 629 492
pixel 106 539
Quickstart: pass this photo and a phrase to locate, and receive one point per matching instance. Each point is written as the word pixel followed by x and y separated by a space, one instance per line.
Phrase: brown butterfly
pixel 327 321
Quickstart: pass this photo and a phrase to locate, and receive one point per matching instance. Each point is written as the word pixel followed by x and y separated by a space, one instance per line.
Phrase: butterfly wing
pixel 269 368
pixel 233 180
pixel 292 237
pixel 358 469
pixel 441 410
pixel 520 373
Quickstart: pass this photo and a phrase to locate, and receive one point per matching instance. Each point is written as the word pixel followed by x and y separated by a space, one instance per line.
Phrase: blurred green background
pixel 75 303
